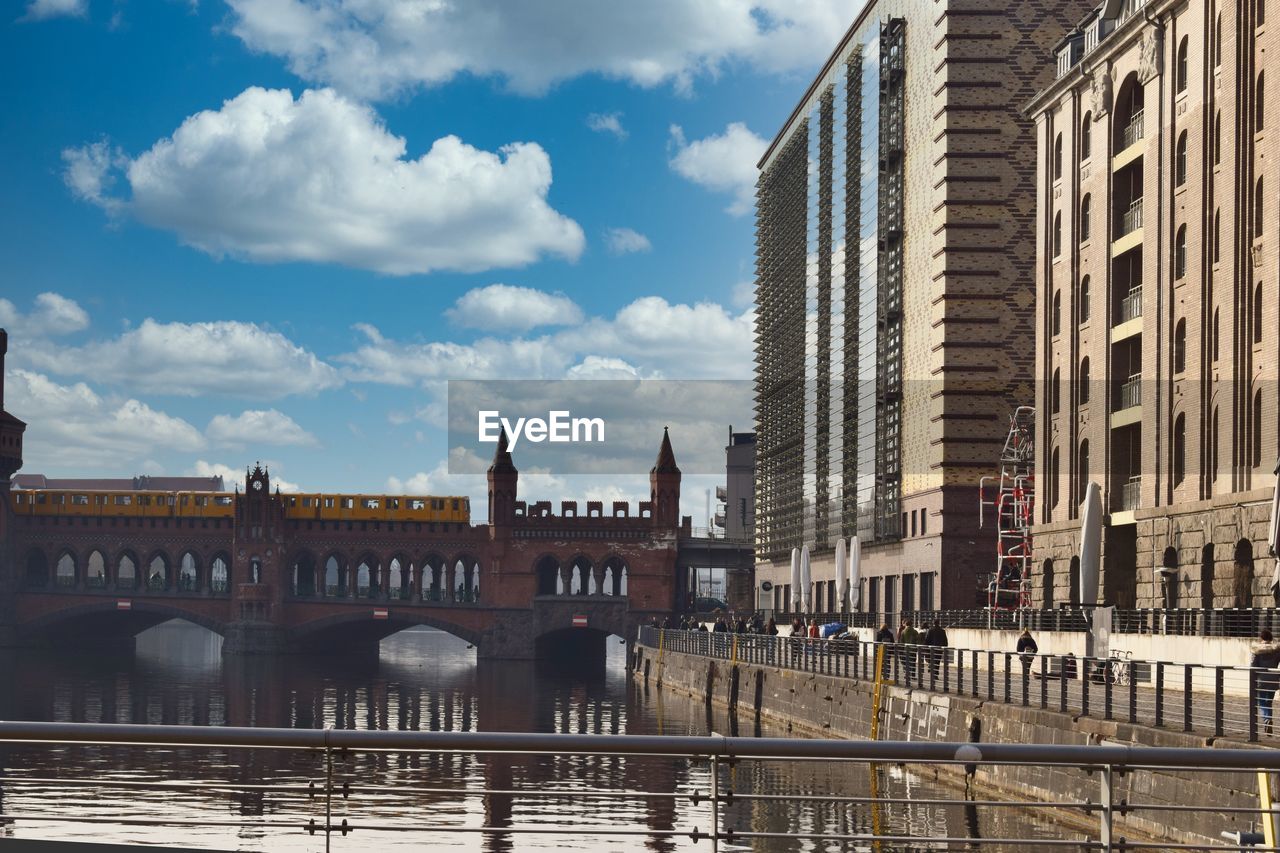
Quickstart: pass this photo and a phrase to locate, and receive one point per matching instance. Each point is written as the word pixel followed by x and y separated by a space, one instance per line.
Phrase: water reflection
pixel 423 680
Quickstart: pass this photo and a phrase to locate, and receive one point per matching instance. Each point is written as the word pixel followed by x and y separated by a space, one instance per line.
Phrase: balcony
pixel 1131 219
pixel 1129 496
pixel 1132 132
pixel 1130 306
pixel 1130 393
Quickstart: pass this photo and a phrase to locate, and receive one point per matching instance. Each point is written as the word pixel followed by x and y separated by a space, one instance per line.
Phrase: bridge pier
pixel 254 638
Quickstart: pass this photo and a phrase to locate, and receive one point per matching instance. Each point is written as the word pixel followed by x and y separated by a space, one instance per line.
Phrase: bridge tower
pixel 503 478
pixel 258 569
pixel 11 430
pixel 664 486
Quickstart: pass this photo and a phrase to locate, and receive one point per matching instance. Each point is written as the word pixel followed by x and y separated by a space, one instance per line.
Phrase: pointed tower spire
pixel 503 480
pixel 666 463
pixel 502 456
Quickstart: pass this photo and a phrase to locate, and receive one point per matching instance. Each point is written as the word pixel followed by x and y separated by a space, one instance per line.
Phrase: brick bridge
pixel 524 584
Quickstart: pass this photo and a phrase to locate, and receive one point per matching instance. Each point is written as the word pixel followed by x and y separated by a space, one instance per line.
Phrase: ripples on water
pixel 422 680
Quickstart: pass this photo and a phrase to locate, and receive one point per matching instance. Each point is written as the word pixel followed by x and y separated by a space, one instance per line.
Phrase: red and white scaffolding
pixel 1013 502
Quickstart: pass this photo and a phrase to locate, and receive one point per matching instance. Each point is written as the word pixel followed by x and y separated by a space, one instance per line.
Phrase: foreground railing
pixel 333 799
pixel 1224 700
pixel 1194 622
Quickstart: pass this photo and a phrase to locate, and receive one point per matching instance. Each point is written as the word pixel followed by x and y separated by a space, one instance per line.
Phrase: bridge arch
pixel 400 581
pixel 188 571
pixel 355 630
pixel 464 577
pixel 104 619
pixel 432 570
pixel 66 569
pixel 337 582
pixel 302 572
pixel 220 572
pixel 95 568
pixel 157 571
pixel 546 570
pixel 124 569
pixel 580 574
pixel 365 575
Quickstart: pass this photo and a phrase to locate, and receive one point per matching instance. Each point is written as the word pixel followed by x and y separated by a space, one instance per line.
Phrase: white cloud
pixel 723 162
pixel 40 10
pixel 744 294
pixel 191 359
pixel 602 367
pixel 624 241
pixel 377 48
pixel 258 426
pixel 503 306
pixel 607 123
pixel 231 477
pixel 53 314
pixel 268 178
pixel 78 429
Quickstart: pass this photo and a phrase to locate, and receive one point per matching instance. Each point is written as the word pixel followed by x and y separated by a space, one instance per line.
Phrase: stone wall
pixel 829 706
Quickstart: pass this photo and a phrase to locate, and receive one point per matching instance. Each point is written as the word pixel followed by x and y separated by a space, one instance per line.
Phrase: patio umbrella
pixel 842 577
pixel 1273 532
pixel 795 580
pixel 1090 543
pixel 855 573
pixel 806 595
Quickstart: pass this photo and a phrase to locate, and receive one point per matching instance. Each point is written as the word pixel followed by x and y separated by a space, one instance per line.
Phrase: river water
pixel 427 680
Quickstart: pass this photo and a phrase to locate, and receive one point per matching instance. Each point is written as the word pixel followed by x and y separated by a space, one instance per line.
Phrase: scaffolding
pixel 1012 502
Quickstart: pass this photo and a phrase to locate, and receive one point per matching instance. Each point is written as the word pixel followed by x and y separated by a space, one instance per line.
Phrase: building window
pixel 1215 334
pixel 1217 42
pixel 1260 13
pixel 1057 158
pixel 1180 253
pixel 1179 449
pixel 1180 347
pixel 1259 102
pixel 1257 210
pixel 1180 162
pixel 1257 428
pixel 1086 137
pixel 1213 447
pixel 1057 235
pixel 1053 479
pixel 924 522
pixel 1084 299
pixel 1057 312
pixel 1217 234
pixel 1257 313
pixel 1083 466
pixel 1217 138
pixel 1084 219
pixel 1055 394
pixel 1181 82
pixel 914 516
pixel 1084 380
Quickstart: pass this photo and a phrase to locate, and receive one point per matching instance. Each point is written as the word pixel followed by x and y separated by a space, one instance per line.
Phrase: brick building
pixel 895 296
pixel 1156 346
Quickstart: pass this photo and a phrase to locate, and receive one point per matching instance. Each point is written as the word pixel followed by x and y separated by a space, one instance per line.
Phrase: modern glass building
pixel 895 290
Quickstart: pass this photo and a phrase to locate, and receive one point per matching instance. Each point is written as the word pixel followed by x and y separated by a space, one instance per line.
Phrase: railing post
pixel 1133 693
pixel 1218 673
pixel 1044 682
pixel 715 803
pixel 1107 691
pixel 1106 814
pixel 1007 676
pixel 1062 683
pixel 1186 697
pixel 328 792
pixel 1159 694
pixel 1086 677
pixel 991 675
pixel 1253 706
pixel 975 673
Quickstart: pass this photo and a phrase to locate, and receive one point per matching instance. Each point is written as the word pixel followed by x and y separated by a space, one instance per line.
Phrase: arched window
pixel 158 573
pixel 1260 13
pixel 1084 380
pixel 333 578
pixel 1057 234
pixel 1206 576
pixel 219 575
pixel 364 580
pixel 1054 470
pixel 1169 573
pixel 1084 218
pixel 187 572
pixel 1257 313
pixel 1215 334
pixel 1082 467
pixel 1217 42
pixel 547 571
pixel 1259 102
pixel 1056 320
pixel 126 572
pixel 95 571
pixel 1084 299
pixel 1056 393
pixel 66 571
pixel 395 579
pixel 1086 136
pixel 1213 447
pixel 1217 137
pixel 1180 253
pixel 1047 584
pixel 1258 208
pixel 1073 582
pixel 1217 234
pixel 1057 157
pixel 1179 449
pixel 1180 161
pixel 1257 428
pixel 1180 346
pixel 1181 75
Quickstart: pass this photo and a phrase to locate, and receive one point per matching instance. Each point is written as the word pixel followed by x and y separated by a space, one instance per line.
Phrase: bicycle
pixel 1118 667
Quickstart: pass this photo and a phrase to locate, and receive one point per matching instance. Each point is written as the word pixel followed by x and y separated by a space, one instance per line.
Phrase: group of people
pixel 934 638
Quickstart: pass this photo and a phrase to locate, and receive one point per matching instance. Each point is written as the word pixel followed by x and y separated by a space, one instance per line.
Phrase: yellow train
pixel 326 507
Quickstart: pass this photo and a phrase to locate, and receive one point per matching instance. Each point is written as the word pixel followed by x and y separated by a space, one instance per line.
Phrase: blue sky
pixel 272 229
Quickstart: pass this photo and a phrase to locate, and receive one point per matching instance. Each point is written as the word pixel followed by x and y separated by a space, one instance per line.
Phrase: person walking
pixel 936 639
pixel 1266 656
pixel 771 627
pixel 885 637
pixel 1027 651
pixel 908 638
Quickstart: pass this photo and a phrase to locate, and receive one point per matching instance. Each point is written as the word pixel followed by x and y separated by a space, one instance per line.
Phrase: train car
pixel 340 507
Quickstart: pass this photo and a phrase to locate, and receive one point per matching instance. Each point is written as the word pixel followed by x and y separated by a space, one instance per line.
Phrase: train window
pixel 370 503
pixel 455 503
pixel 306 502
pixel 201 501
pixel 393 503
pixel 328 503
pixel 417 504
pixel 293 501
pixel 41 498
pixel 221 500
pixel 80 500
pixel 19 498
pixel 437 503
pixel 348 503
pixel 123 500
pixel 144 500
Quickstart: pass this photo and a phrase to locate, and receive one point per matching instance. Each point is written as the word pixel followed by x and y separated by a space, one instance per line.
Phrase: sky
pixel 272 230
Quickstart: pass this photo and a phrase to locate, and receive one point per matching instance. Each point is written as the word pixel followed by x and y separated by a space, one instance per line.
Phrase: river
pixel 428 680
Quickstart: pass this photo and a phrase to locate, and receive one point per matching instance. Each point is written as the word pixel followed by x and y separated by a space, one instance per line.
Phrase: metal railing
pixel 1132 133
pixel 1131 219
pixel 1129 496
pixel 332 796
pixel 1190 622
pixel 1224 700
pixel 1130 393
pixel 1131 305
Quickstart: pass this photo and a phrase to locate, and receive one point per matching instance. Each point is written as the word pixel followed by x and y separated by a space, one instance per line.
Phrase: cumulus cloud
pixel 232 476
pixel 504 306
pixel 79 429
pixel 53 314
pixel 377 48
pixel 270 178
pixel 624 241
pixel 724 163
pixel 41 10
pixel 259 426
pixel 190 359
pixel 607 123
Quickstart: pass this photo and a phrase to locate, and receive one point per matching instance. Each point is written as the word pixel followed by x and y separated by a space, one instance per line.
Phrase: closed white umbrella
pixel 1090 544
pixel 855 572
pixel 795 580
pixel 806 580
pixel 1273 532
pixel 842 577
